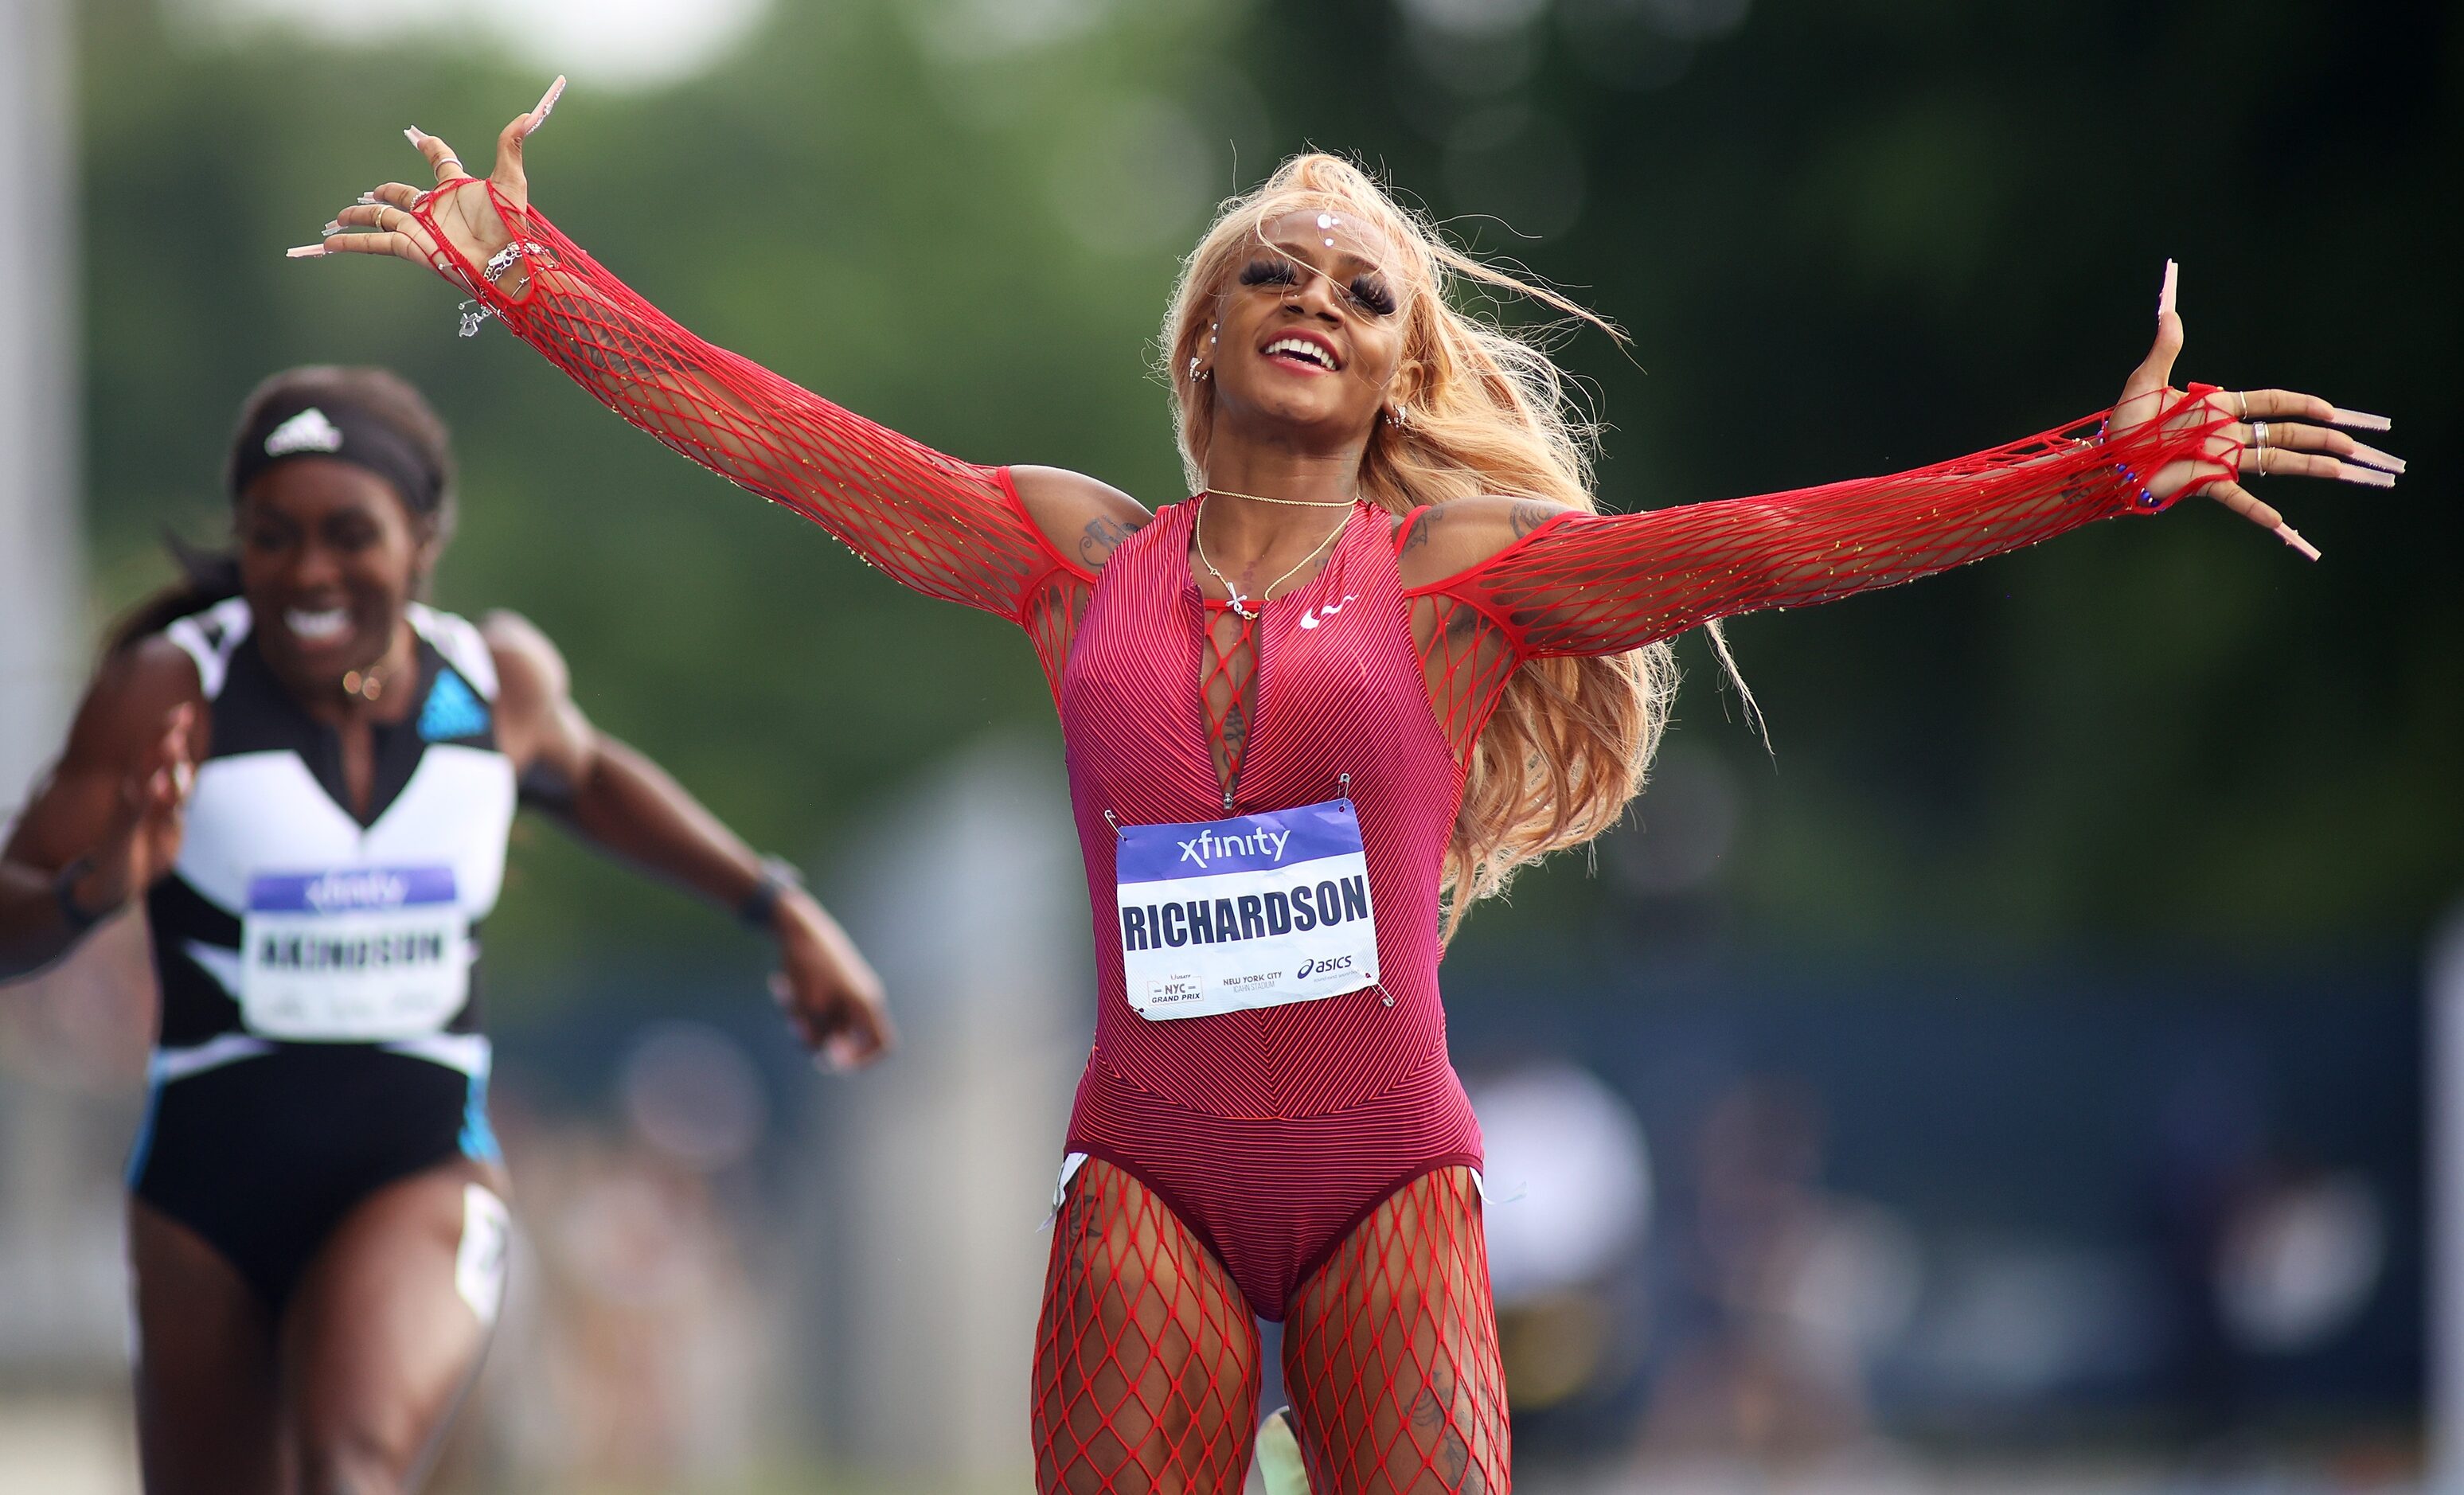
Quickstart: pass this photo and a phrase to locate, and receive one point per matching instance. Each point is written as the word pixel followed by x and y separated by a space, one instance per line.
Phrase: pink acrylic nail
pixel 415 135
pixel 305 251
pixel 2357 420
pixel 547 102
pixel 2367 476
pixel 2165 297
pixel 2293 538
pixel 2377 458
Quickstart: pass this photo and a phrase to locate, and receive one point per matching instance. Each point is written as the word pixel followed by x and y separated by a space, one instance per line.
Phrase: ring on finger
pixel 382 209
pixel 2259 434
pixel 2243 396
pixel 455 161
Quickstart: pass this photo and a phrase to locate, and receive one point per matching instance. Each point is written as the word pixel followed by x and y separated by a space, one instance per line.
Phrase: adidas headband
pixel 325 427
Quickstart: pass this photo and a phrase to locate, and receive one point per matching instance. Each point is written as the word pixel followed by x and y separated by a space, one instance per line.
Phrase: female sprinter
pixel 1387 653
pixel 308 776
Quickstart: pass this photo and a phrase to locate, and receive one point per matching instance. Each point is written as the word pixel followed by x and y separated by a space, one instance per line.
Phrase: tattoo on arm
pixel 1102 535
pixel 1419 534
pixel 1529 513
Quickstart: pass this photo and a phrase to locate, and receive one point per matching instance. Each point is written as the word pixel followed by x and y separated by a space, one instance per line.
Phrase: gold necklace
pixel 366 684
pixel 1233 597
pixel 1296 503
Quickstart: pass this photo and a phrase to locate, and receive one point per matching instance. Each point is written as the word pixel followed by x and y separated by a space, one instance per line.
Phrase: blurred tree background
pixel 1846 237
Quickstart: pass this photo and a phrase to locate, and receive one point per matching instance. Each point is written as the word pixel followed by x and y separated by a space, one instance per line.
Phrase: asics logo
pixel 1324 610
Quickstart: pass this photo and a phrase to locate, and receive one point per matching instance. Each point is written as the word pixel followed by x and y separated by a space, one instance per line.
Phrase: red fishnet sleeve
pixel 947 528
pixel 1582 583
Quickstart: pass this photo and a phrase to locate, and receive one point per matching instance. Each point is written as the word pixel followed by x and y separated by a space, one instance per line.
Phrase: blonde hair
pixel 1570 741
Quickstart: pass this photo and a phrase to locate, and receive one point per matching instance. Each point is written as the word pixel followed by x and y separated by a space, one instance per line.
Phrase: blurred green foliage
pixel 1846 238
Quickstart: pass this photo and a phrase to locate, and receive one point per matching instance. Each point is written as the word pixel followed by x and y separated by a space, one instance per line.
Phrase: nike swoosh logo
pixel 1323 611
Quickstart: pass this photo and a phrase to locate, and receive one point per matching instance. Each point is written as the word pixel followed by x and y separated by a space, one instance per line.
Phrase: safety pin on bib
pixel 1118 834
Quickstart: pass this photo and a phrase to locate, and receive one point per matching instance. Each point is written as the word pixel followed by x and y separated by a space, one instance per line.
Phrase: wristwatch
pixel 72 914
pixel 761 906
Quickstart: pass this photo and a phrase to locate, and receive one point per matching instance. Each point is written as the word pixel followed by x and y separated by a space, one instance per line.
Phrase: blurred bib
pixel 1255 910
pixel 358 954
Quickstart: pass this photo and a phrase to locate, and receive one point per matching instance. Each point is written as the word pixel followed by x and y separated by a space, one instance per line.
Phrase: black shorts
pixel 264 1156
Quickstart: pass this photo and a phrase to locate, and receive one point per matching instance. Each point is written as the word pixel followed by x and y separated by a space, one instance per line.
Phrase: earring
pixel 1396 418
pixel 1194 372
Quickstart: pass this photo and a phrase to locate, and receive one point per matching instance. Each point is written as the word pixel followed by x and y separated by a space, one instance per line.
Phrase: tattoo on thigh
pixel 1430 1414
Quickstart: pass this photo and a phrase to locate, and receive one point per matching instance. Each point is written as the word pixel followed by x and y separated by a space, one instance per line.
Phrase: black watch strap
pixel 760 907
pixel 75 915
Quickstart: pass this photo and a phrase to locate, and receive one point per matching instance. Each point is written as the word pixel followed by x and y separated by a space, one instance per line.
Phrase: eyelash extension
pixel 1367 290
pixel 1371 292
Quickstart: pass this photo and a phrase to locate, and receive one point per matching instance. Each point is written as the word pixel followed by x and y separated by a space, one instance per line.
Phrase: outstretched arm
pixel 106 820
pixel 948 528
pixel 1554 581
pixel 613 796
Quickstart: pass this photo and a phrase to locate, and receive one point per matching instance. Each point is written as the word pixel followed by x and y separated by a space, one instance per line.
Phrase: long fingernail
pixel 305 251
pixel 367 198
pixel 547 101
pixel 414 134
pixel 331 228
pixel 2293 538
pixel 2377 458
pixel 2367 476
pixel 2357 420
pixel 2165 297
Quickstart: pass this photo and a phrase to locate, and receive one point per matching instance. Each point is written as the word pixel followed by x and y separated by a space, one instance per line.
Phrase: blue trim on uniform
pixel 478 1139
pixel 139 1150
pixel 453 709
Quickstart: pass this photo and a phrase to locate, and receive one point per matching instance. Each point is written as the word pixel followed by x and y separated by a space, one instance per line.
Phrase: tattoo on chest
pixel 1529 515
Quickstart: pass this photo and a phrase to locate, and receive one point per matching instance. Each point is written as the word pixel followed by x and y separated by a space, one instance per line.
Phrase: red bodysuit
pixel 1270 1132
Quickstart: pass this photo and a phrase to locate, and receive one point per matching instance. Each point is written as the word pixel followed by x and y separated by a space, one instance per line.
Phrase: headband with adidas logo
pixel 330 427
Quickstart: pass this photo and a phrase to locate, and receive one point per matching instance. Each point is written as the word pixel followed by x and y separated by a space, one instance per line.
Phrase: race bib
pixel 355 955
pixel 1256 910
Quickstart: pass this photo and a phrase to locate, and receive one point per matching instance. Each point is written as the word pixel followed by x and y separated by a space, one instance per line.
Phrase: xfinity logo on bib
pixel 336 892
pixel 350 890
pixel 1206 845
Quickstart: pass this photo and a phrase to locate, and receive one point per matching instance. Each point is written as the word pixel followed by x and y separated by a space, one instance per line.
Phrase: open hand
pixel 453 227
pixel 830 995
pixel 147 823
pixel 2271 432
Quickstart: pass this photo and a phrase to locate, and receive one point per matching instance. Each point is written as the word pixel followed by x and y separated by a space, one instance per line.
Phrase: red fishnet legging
pixel 1146 1358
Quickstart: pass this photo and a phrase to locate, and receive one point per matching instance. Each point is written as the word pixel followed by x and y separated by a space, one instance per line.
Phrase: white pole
pixel 42 593
pixel 2443 1086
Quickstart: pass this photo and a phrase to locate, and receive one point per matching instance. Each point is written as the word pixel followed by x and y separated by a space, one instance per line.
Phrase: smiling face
pixel 1308 330
pixel 329 558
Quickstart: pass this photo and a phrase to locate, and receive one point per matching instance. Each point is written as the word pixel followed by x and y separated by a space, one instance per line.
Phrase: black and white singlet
pixel 321 1013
